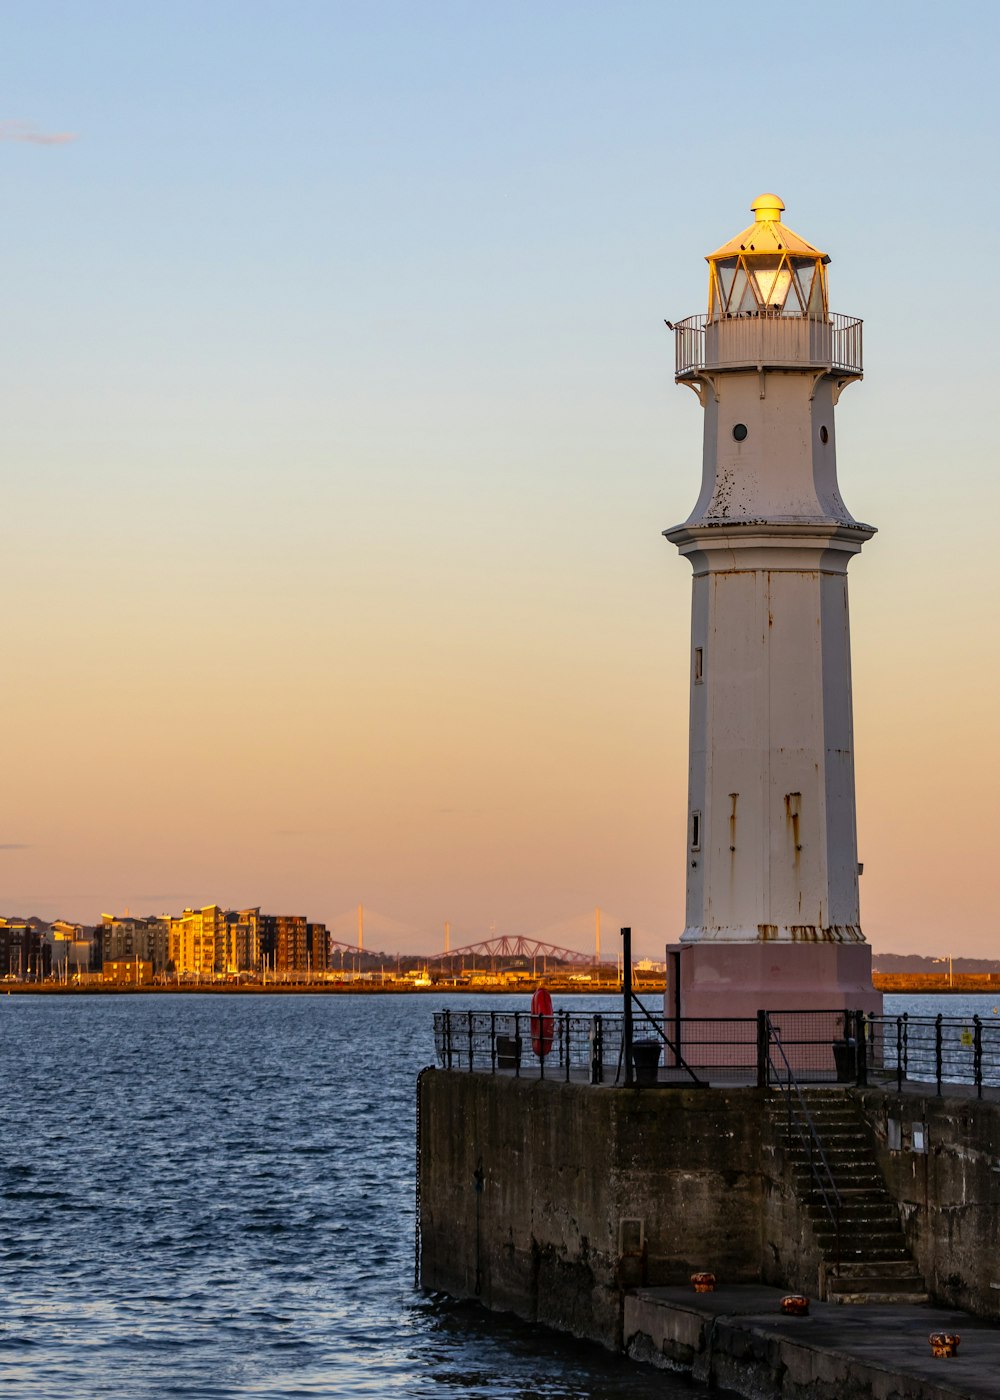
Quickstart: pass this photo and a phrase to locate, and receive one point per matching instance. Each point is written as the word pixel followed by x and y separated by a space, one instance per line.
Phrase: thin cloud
pixel 24 131
pixel 14 846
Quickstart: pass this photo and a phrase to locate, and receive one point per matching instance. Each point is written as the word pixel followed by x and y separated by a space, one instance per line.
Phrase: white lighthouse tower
pixel 772 865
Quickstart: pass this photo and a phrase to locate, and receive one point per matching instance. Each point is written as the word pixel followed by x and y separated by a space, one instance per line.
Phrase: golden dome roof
pixel 768 234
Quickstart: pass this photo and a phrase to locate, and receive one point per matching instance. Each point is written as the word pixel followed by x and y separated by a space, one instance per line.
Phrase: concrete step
pixel 850 1187
pixel 845 1158
pixel 850 1173
pixel 876 1283
pixel 854 1202
pixel 888 1228
pixel 854 1219
pixel 863 1246
pixel 881 1213
pixel 857 1147
pixel 850 1190
pixel 855 1251
pixel 887 1298
pixel 879 1268
pixel 828 1138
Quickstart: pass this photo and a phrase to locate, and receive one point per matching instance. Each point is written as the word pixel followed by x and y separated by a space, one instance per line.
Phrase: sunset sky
pixel 339 430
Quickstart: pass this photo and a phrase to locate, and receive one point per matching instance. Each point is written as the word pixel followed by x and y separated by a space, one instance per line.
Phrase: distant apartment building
pixel 124 939
pixel 198 941
pixel 284 943
pixel 215 942
pixel 289 943
pixel 243 952
pixel 319 947
pixel 24 952
pixel 72 949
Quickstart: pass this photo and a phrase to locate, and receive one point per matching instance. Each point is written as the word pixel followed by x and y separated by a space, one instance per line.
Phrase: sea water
pixel 213 1196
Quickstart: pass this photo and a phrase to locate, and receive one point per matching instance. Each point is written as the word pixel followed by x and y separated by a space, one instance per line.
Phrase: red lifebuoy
pixel 542 1022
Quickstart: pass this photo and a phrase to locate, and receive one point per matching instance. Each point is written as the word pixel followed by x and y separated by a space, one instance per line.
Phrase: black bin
pixel 508 1052
pixel 645 1060
pixel 845 1057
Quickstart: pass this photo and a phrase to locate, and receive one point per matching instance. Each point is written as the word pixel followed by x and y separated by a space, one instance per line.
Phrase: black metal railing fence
pixel 817 1046
pixel 933 1050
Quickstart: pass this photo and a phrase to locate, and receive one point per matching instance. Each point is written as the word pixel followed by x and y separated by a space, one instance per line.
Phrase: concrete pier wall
pixel 548 1199
pixel 551 1200
pixel 941 1161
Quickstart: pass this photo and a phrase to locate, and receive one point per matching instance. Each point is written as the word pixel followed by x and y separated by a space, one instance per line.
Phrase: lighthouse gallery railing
pixel 756 341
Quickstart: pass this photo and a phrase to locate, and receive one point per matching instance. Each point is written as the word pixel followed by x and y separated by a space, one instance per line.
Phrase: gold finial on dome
pixel 768 208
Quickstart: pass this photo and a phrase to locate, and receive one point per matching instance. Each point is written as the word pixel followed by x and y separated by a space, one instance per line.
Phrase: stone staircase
pixel 875 1265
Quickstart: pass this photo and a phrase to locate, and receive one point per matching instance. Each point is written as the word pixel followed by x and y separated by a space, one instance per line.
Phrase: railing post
pixel 566 1039
pixel 762 1036
pixel 627 994
pixel 470 1042
pixel 517 1045
pixel 977 1055
pixel 493 1042
pixel 861 1040
pixel 597 1054
pixel 938 1042
pixel 447 1039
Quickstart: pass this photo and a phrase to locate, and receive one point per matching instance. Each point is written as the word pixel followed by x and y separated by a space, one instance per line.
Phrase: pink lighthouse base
pixel 735 980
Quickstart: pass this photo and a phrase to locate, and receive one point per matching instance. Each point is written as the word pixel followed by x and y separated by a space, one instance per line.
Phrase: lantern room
pixel 767 270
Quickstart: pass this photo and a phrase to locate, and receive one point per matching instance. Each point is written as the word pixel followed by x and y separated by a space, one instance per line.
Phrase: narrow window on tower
pixel 696 831
pixel 699 663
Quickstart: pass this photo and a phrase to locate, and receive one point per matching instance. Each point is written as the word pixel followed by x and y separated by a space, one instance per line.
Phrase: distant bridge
pixel 503 946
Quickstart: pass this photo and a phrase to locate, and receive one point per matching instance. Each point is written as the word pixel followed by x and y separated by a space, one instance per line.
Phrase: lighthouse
pixel 772 914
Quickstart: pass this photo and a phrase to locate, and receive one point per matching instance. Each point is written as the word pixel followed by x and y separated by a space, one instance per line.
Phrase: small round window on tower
pixel 824 434
pixel 740 432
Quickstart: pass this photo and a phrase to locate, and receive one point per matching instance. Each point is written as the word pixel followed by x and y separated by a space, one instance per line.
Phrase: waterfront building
pixel 198 941
pixel 128 937
pixel 243 950
pixel 71 948
pixel 24 950
pixel 290 947
pixel 127 972
pixel 318 944
pixel 772 917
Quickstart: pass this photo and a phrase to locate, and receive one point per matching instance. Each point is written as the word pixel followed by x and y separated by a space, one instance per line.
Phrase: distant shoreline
pixel 895 984
pixel 297 989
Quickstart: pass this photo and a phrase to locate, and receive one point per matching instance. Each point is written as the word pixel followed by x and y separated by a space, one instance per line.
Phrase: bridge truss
pixel 504 947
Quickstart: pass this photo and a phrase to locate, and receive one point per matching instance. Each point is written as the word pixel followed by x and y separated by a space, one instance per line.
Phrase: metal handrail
pixel 828 1187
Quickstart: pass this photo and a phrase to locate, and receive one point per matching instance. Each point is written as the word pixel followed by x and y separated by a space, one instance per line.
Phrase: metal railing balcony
pixel 768 342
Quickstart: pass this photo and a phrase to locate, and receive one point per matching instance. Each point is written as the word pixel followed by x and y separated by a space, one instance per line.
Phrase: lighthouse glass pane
pixel 741 298
pixel 792 307
pixel 804 269
pixel 725 271
pixel 764 271
pixel 816 308
pixel 779 290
